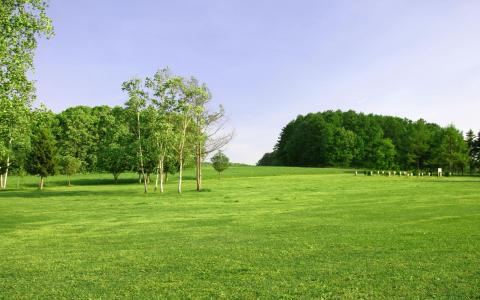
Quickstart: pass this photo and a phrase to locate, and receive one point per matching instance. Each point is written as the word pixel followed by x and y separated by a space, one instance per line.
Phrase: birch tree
pixel 165 94
pixel 209 135
pixel 183 113
pixel 137 99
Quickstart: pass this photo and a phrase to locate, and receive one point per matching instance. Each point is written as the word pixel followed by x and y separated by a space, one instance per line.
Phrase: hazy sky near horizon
pixel 268 61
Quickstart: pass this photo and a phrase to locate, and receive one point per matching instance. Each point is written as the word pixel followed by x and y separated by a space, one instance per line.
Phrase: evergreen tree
pixel 452 154
pixel 471 141
pixel 41 160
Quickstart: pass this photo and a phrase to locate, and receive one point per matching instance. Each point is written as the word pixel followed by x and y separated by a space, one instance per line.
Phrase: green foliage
pixel 114 144
pixel 344 139
pixel 220 162
pixel 385 155
pixel 452 152
pixel 41 160
pixel 342 147
pixel 77 134
pixel 269 159
pixel 473 146
pixel 70 165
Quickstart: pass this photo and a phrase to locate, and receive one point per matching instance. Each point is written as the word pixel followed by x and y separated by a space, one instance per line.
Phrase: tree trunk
pixel 161 173
pixel 180 155
pixel 4 184
pixel 141 154
pixel 198 167
pixel 69 181
pixel 1 181
pixel 180 173
pixel 156 177
pixel 41 183
pixel 115 177
pixel 6 173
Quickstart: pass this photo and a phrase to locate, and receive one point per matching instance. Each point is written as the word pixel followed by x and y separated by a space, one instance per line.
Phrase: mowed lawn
pixel 258 232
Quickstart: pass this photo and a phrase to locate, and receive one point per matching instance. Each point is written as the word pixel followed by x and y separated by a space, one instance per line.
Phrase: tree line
pixel 351 139
pixel 163 126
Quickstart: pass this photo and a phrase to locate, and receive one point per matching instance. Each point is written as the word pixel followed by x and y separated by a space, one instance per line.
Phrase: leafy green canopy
pixel 41 160
pixel 336 138
pixel 220 162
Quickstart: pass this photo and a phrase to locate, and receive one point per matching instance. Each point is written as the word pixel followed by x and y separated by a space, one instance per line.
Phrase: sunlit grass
pixel 303 233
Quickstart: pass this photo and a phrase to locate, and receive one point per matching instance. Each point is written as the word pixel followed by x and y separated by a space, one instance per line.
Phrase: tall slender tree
pixel 137 100
pixel 184 110
pixel 165 92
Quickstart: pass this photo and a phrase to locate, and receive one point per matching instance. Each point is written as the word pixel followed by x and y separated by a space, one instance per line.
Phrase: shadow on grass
pixel 37 194
pixel 82 182
pixel 90 194
pixel 474 180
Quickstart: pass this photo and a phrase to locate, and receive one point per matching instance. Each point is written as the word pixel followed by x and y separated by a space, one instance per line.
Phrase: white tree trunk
pixel 156 179
pixel 4 184
pixel 180 155
pixel 6 173
pixel 141 154
pixel 198 166
pixel 161 172
pixel 180 174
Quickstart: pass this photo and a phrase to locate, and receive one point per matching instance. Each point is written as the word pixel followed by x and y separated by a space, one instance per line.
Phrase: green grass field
pixel 258 232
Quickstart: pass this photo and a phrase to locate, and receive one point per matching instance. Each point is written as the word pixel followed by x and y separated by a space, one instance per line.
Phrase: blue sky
pixel 268 61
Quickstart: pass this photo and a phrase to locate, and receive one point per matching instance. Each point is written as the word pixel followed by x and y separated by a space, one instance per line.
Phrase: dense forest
pixel 350 139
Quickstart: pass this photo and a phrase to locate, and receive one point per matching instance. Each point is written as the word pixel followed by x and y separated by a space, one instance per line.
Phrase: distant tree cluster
pixel 350 139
